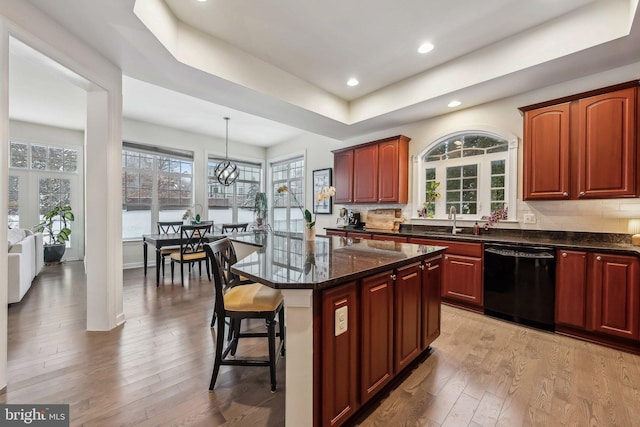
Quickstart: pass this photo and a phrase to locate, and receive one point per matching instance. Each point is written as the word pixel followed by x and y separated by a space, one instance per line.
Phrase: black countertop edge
pixel 605 242
pixel 336 281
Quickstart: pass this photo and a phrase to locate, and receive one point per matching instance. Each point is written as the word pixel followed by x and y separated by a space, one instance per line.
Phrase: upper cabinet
pixel 584 147
pixel 376 172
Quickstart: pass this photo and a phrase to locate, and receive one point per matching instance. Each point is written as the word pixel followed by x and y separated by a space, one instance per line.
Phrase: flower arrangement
pixel 497 215
pixel 431 195
pixel 322 195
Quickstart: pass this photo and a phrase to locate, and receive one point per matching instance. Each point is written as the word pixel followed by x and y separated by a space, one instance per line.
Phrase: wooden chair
pixel 234 227
pixel 168 227
pixel 192 242
pixel 253 301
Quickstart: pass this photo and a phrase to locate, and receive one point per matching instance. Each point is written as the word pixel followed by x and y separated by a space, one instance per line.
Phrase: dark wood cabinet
pixel 359 235
pixel 431 311
pixel 408 302
pixel 336 233
pixel 546 153
pixel 339 355
pixel 462 275
pixel 375 172
pixel 463 279
pixel 399 239
pixel 606 132
pixel 584 147
pixel 365 174
pixel 343 172
pixel 615 295
pixel 376 363
pixel 571 289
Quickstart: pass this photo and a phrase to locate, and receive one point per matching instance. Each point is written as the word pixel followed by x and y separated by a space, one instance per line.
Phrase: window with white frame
pixel 42 176
pixel 157 185
pixel 474 171
pixel 286 213
pixel 233 203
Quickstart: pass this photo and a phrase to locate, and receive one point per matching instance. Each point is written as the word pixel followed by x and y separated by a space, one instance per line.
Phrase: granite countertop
pixel 606 242
pixel 287 261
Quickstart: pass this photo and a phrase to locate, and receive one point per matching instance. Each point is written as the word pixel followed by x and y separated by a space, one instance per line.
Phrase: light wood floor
pixel 155 369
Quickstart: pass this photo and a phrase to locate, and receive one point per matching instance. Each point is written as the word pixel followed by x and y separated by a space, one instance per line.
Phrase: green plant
pixel 59 213
pixel 260 206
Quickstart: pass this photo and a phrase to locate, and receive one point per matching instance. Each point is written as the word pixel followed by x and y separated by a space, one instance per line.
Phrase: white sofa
pixel 26 259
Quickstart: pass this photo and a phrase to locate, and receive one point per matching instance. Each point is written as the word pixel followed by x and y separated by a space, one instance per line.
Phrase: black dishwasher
pixel 519 284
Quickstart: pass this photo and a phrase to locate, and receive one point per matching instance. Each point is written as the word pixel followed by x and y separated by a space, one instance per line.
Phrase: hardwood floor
pixel 155 369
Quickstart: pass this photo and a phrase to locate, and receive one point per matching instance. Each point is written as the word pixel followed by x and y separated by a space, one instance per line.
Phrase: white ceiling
pixel 279 69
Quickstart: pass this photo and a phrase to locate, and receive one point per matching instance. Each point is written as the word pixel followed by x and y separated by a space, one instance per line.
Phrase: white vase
pixel 310 233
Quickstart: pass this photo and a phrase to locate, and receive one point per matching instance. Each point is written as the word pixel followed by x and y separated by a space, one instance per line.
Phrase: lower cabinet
pixel 431 309
pixel 598 292
pixel 408 321
pixel 371 330
pixel 376 308
pixel 615 296
pixel 571 288
pixel 339 354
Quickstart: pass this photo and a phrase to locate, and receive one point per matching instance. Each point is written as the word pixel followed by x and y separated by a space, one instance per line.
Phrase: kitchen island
pixel 358 313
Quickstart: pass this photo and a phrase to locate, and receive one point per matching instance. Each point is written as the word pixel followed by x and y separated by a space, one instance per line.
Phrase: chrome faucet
pixel 452 215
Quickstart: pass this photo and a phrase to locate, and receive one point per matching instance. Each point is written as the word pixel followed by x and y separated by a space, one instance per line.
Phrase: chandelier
pixel 226 172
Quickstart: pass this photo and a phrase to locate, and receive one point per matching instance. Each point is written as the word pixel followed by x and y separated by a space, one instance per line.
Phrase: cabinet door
pixel 607 145
pixel 365 174
pixel 546 153
pixel 343 170
pixel 571 288
pixel 408 302
pixel 388 171
pixel 431 283
pixel 339 354
pixel 615 295
pixel 376 360
pixel 463 279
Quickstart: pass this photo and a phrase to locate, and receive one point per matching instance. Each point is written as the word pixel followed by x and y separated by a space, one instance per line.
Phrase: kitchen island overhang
pixel 397 282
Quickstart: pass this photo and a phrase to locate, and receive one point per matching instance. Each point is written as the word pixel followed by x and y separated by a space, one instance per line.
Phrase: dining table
pixel 163 240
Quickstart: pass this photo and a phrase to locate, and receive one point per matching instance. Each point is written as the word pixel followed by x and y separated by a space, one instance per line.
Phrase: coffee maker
pixel 353 219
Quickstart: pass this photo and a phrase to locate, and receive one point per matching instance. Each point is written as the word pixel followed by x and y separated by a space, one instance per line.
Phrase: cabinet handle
pixel 564 254
pixel 581 194
pixel 393 277
pixel 565 194
pixel 428 265
pixel 598 258
pixel 422 266
pixel 446 257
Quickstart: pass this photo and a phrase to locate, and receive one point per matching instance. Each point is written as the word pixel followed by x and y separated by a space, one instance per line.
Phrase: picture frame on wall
pixel 322 178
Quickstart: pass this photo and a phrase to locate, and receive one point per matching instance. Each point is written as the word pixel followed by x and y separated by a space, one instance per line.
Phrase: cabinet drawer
pixel 458 248
pixel 359 235
pixel 336 233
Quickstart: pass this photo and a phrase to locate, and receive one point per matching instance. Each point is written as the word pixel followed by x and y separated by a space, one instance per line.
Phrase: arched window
pixel 474 172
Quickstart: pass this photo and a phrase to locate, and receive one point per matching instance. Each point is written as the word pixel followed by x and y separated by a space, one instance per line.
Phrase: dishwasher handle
pixel 521 252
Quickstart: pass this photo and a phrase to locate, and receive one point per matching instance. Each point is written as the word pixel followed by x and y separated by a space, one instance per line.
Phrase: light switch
pixel 529 218
pixel 341 321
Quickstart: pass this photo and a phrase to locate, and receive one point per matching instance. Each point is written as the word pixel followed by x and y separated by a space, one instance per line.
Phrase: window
pixel 286 214
pixel 233 203
pixel 475 171
pixel 43 175
pixel 157 185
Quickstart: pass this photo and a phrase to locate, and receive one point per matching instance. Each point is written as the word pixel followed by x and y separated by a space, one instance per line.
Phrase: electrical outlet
pixel 341 321
pixel 529 218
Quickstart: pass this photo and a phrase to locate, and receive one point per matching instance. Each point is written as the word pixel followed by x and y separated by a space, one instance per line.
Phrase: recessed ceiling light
pixel 454 104
pixel 352 82
pixel 202 1
pixel 425 48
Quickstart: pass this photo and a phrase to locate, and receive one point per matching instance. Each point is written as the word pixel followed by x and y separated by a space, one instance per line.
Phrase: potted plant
pixel 54 249
pixel 261 208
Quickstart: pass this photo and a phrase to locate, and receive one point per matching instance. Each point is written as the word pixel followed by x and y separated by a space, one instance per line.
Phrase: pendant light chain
pixel 226 172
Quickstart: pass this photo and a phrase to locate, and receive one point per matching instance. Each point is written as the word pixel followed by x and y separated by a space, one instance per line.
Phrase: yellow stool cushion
pixel 254 297
pixel 189 256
